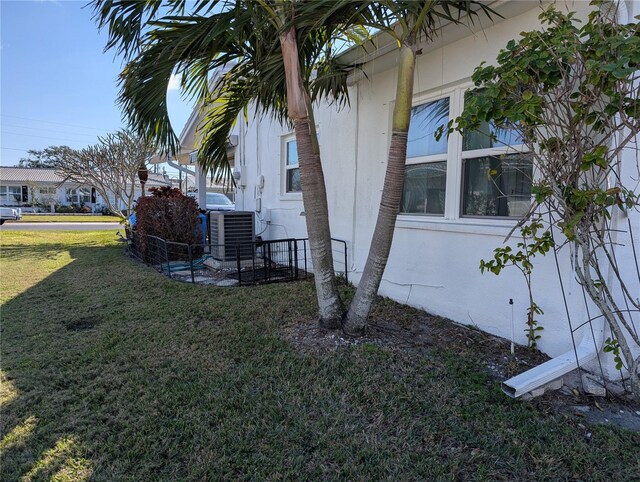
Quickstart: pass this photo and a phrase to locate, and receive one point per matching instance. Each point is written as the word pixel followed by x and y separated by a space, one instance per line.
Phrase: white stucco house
pixel 23 187
pixel 448 220
pixel 20 186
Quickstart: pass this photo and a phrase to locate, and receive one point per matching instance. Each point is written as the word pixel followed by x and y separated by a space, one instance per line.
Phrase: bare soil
pixel 414 332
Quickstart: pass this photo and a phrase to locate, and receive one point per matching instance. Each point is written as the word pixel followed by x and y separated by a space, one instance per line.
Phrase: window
pixel 47 191
pixel 71 195
pixel 84 195
pixel 490 137
pixel 497 185
pixel 496 176
pixel 425 176
pixel 292 169
pixel 424 188
pixel 425 121
pixel 485 173
pixel 10 194
pixel 79 195
pixel 15 193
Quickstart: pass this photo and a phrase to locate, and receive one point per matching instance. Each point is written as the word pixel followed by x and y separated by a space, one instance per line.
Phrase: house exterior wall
pixel 41 192
pixel 261 150
pixel 434 261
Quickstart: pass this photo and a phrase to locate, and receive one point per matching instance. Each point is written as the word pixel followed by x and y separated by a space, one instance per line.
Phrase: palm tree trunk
pixel 314 194
pixel 356 320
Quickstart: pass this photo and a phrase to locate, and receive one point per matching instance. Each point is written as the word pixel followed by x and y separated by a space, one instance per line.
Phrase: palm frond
pixel 126 20
pixel 236 38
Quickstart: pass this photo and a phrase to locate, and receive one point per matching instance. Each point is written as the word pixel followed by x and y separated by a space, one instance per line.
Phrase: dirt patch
pixel 615 408
pixel 423 333
pixel 599 411
pixel 401 328
pixel 82 323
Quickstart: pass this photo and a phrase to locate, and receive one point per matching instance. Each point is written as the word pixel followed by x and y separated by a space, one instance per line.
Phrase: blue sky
pixel 57 86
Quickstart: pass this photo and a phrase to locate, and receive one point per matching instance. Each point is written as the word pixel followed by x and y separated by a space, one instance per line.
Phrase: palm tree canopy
pixel 424 18
pixel 238 39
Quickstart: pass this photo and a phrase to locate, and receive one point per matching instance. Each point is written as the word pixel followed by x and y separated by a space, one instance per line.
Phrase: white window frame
pixel 84 193
pixel 47 191
pixel 453 219
pixel 284 194
pixel 425 99
pixel 71 195
pixel 477 153
pixel 7 197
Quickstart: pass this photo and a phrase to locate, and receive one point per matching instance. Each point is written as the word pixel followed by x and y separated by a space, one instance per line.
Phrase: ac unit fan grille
pixel 233 232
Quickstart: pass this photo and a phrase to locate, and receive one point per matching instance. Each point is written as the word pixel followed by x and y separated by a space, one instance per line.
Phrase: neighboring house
pixel 40 188
pixel 26 187
pixel 450 216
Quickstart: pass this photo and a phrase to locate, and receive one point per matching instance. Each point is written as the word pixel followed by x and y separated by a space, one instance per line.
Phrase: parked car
pixel 216 202
pixel 10 214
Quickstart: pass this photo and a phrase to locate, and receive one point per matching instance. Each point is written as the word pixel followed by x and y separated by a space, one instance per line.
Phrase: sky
pixel 57 85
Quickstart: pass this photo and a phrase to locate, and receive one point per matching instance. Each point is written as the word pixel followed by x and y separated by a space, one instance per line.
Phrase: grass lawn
pixel 113 372
pixel 34 218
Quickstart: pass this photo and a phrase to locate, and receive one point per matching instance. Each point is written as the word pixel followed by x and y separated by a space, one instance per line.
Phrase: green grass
pixel 113 372
pixel 34 218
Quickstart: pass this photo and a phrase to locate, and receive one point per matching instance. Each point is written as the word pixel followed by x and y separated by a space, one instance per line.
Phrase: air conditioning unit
pixel 232 234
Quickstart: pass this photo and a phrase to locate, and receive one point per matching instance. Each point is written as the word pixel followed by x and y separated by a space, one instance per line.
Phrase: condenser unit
pixel 232 235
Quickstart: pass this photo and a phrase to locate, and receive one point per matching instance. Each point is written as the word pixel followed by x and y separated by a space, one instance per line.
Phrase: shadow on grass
pixel 38 426
pixel 55 337
pixel 33 252
pixel 113 372
pixel 96 359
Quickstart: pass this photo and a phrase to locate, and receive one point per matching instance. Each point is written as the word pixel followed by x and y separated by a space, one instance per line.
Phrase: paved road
pixel 22 226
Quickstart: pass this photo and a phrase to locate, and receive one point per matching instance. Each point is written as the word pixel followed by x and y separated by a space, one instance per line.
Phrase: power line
pixel 48 130
pixel 57 123
pixel 44 137
pixel 15 149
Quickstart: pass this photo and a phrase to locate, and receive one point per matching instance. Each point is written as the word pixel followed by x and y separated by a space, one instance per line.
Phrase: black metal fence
pixel 258 262
pixel 339 252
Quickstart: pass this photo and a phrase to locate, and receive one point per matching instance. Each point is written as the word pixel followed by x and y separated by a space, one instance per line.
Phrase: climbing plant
pixel 505 256
pixel 571 91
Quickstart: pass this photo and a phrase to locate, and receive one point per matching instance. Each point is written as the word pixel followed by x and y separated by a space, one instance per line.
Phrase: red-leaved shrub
pixel 166 191
pixel 170 215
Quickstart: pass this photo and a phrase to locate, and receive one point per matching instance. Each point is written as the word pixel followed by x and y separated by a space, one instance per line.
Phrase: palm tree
pixel 268 53
pixel 271 49
pixel 409 22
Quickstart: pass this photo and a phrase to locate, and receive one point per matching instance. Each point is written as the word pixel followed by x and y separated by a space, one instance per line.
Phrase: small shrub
pixel 169 215
pixel 73 208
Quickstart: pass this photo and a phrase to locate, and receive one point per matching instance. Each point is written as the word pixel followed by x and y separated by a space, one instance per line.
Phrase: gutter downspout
pixel 354 213
pixel 588 349
pixel 541 375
